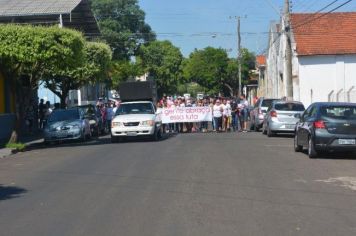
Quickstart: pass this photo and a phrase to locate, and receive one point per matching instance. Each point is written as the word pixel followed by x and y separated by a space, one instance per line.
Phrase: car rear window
pixel 267 102
pixel 289 107
pixel 339 112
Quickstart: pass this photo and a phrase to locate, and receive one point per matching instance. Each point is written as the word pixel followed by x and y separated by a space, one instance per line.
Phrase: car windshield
pixel 88 110
pixel 135 108
pixel 339 112
pixel 267 102
pixel 289 107
pixel 64 115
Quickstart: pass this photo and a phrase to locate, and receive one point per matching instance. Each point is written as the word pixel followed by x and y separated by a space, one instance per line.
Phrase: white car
pixel 133 119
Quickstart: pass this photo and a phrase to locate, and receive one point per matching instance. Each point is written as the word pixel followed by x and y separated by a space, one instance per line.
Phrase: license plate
pixel 347 141
pixel 290 126
pixel 131 134
pixel 62 134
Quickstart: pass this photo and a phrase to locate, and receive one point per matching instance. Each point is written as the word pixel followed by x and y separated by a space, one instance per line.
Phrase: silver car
pixel 282 117
pixel 259 111
pixel 69 124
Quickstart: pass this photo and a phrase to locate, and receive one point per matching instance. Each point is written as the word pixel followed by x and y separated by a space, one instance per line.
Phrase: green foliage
pixel 122 24
pixel 18 146
pixel 212 69
pixel 98 57
pixel 192 88
pixel 27 51
pixel 91 67
pixel 207 67
pixel 122 71
pixel 162 60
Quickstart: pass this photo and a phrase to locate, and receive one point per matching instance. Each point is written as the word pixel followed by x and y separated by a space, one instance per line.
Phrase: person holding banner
pixel 218 115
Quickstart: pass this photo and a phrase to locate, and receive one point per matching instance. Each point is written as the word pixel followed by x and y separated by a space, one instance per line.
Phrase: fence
pixel 342 95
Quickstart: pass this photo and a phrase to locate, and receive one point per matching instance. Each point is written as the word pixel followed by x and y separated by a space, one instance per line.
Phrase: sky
pixel 191 24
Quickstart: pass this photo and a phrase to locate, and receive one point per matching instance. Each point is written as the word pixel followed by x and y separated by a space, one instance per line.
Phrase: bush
pixel 18 146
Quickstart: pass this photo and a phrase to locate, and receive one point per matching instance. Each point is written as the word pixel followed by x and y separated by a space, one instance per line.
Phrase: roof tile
pixel 331 34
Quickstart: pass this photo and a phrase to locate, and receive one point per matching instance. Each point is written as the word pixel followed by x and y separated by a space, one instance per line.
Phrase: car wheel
pixel 252 125
pixel 312 153
pixel 264 132
pixel 83 137
pixel 255 128
pixel 114 139
pixel 96 132
pixel 269 132
pixel 157 135
pixel 297 148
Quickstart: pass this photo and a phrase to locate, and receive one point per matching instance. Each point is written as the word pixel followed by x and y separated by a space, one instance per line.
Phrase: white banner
pixel 186 114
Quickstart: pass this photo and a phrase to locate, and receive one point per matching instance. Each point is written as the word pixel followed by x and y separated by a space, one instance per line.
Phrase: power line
pixel 322 15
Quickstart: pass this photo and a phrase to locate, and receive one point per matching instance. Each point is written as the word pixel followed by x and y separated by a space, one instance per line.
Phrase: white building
pixel 324 59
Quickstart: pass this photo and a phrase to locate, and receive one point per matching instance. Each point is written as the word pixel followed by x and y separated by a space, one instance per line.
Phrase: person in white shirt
pixel 218 115
pixel 227 115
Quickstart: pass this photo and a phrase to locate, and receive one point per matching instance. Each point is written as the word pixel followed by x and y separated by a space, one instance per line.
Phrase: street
pixel 188 184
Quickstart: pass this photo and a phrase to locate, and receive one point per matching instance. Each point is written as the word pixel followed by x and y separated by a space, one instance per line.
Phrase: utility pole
pixel 288 71
pixel 239 57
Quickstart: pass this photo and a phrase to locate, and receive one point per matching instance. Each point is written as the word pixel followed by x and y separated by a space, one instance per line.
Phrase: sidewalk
pixel 27 140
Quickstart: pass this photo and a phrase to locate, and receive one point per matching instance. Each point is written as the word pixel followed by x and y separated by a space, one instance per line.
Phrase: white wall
pixel 320 75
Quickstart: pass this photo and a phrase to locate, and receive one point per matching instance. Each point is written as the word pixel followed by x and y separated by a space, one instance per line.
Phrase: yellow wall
pixel 2 94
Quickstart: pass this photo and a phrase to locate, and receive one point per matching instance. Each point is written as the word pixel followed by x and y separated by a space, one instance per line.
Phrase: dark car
pixel 327 127
pixel 259 111
pixel 93 114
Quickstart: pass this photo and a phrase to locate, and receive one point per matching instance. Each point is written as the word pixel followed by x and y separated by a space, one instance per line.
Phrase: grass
pixel 18 146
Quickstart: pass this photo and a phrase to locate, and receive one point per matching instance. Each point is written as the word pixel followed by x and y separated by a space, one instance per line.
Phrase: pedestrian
pixel 41 113
pixel 103 116
pixel 218 115
pixel 189 125
pixel 243 112
pixel 234 115
pixel 48 111
pixel 109 115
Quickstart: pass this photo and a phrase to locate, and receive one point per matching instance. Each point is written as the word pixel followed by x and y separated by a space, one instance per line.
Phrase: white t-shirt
pixel 217 110
pixel 227 110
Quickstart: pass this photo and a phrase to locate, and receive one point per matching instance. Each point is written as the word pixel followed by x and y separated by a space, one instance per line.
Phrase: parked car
pixel 67 124
pixel 282 117
pixel 93 114
pixel 259 111
pixel 326 127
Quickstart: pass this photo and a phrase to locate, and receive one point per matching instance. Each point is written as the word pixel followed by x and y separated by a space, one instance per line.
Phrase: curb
pixel 4 152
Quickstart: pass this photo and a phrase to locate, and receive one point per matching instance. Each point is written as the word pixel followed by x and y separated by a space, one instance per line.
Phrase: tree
pixel 207 67
pixel 212 69
pixel 122 24
pixel 92 63
pixel 26 52
pixel 123 70
pixel 162 61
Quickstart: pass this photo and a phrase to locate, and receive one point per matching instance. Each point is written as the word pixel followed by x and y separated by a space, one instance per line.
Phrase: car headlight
pixel 148 123
pixel 75 127
pixel 116 124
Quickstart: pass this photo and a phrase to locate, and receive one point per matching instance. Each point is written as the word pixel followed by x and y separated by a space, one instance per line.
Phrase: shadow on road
pixel 104 140
pixel 8 192
pixel 335 155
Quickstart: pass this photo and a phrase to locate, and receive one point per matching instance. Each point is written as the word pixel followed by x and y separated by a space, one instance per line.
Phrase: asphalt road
pixel 189 184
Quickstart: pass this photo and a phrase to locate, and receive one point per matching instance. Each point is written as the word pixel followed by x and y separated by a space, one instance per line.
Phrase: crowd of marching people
pixel 229 114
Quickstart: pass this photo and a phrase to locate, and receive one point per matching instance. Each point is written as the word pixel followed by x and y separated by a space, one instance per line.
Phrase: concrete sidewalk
pixel 28 141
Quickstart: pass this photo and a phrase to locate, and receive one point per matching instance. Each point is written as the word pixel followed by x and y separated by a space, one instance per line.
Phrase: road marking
pixel 346 182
